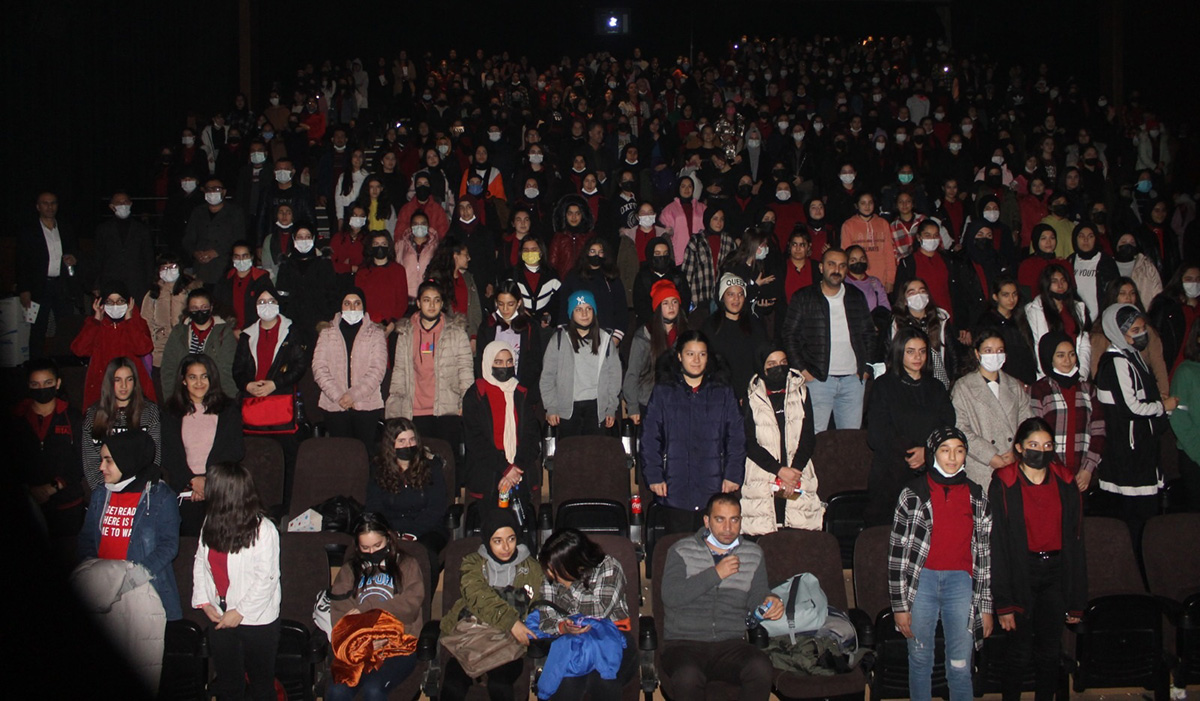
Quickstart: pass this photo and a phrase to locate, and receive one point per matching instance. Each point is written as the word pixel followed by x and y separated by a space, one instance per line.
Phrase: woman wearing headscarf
pixel 1067 401
pixel 502 435
pixel 1133 408
pixel 348 364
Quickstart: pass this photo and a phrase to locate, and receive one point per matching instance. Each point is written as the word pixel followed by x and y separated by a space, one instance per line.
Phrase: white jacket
pixel 1037 325
pixel 253 579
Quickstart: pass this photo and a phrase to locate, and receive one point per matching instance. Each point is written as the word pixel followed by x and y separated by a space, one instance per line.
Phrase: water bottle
pixel 549 438
pixel 629 438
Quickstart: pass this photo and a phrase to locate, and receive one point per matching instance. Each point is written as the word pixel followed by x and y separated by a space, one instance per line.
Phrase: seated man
pixel 710 582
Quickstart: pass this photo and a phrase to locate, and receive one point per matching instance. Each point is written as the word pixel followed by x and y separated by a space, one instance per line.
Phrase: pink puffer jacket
pixel 368 363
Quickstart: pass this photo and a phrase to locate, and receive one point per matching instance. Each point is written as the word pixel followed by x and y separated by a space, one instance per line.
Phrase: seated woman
pixel 502 434
pixel 502 562
pixel 115 329
pixel 581 373
pixel 1039 572
pixel 780 487
pixel 348 364
pixel 122 404
pixel 1067 402
pixel 269 362
pixel 236 584
pixel 649 344
pixel 200 427
pixel 377 575
pixel 150 537
pixel 408 486
pixel 939 568
pixel 907 403
pixel 582 580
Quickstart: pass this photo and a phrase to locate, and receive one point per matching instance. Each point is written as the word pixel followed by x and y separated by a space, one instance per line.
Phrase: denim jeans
pixel 841 396
pixel 945 594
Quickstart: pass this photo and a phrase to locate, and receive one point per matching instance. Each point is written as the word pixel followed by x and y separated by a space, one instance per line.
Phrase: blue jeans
pixel 944 593
pixel 841 396
pixel 374 686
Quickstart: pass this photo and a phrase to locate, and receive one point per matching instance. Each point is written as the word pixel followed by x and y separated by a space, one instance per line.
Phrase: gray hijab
pixel 503 574
pixel 1116 321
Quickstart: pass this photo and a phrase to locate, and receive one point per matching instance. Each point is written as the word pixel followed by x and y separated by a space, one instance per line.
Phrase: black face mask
pixel 1037 459
pixel 627 185
pixel 1100 218
pixel 423 192
pixel 594 260
pixel 779 174
pixel 43 395
pixel 1126 252
pixel 816 223
pixel 776 377
pixel 919 140
pixel 405 453
pixel 1141 341
pixel 380 252
pixel 1093 162
pixel 375 558
pixel 745 191
pixel 767 227
pixel 1060 210
pixel 660 264
pixel 858 268
pixel 503 374
pixel 993 180
pixel 201 317
pixel 1061 296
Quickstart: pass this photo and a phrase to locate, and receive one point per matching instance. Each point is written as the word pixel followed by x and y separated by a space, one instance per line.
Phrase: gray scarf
pixel 503 575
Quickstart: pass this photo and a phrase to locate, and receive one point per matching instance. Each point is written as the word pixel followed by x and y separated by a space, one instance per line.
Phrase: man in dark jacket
pixel 125 249
pixel 211 232
pixel 45 261
pixel 830 338
pixel 285 190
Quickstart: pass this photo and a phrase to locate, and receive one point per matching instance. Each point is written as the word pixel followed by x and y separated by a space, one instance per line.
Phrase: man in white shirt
pixel 45 263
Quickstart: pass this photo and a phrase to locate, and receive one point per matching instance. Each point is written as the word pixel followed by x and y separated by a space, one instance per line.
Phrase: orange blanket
pixel 362 641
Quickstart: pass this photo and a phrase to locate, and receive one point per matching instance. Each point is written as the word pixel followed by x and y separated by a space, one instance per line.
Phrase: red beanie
pixel 662 290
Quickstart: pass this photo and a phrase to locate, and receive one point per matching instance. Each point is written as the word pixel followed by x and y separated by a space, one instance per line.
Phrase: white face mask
pixel 274 101
pixel 753 143
pixel 782 126
pixel 189 186
pixel 358 222
pixel 992 215
pixel 992 362
pixel 283 226
pixel 942 472
pixel 880 146
pixel 169 275
pixel 189 140
pixel 532 192
pixel 304 245
pixel 213 198
pixel 846 178
pixel 798 136
pixel 955 147
pixel 818 126
pixel 1069 373
pixel 268 312
pixel 901 138
pixel 258 157
pixel 116 311
pixel 783 195
pixel 1191 289
pixel 966 129
pixel 283 176
pixel 930 244
pixel 243 265
pixel 536 158
pixel 420 231
pixel 443 149
pixel 123 211
pixel 591 191
pixel 493 136
pixel 998 160
pixel 918 302
pixel 646 220
pixel 352 316
pixel 761 253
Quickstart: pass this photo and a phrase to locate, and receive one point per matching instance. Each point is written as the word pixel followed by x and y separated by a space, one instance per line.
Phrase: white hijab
pixel 508 388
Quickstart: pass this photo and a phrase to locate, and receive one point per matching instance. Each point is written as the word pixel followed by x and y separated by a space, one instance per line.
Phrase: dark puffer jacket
pixel 692 440
pixel 806 336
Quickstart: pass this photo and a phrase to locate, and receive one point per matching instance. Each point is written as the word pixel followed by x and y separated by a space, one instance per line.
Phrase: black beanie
pixel 938 437
pixel 114 287
pixel 356 291
pixel 494 519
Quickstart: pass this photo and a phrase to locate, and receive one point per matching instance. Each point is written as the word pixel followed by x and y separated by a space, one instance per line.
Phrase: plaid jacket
pixel 600 594
pixel 1047 401
pixel 912 532
pixel 905 235
pixel 700 271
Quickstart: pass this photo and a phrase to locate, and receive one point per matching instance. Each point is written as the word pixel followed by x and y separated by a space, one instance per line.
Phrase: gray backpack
pixel 805 607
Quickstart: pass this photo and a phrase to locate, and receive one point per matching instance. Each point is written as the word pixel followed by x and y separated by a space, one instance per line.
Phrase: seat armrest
pixel 318 646
pixel 1172 609
pixel 427 642
pixel 863 627
pixel 454 517
pixel 647 633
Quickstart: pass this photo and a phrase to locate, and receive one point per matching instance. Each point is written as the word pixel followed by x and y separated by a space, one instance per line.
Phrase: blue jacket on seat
pixel 598 650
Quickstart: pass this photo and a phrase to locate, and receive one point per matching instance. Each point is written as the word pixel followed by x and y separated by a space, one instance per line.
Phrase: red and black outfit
pixel 1039 571
pixel 48 452
pixel 483 428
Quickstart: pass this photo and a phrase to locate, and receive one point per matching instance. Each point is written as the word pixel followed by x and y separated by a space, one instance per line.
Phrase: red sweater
pixel 386 288
pixel 953 526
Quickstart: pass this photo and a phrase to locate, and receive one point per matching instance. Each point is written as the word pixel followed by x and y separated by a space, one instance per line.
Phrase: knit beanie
pixel 729 280
pixel 661 291
pixel 579 297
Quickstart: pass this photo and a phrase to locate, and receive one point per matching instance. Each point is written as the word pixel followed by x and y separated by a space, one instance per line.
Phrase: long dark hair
pixel 569 554
pixel 442 268
pixel 931 324
pixel 591 338
pixel 752 239
pixel 234 508
pixel 348 173
pixel 1029 427
pixel 658 332
pixel 608 264
pixel 744 320
pixel 716 371
pixel 1053 318
pixel 107 409
pixel 1174 287
pixel 896 358
pixel 180 285
pixel 383 207
pixel 387 473
pixel 1113 290
pixel 372 522
pixel 522 319
pixel 214 401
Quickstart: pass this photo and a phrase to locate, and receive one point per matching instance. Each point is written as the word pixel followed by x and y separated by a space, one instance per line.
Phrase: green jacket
pixel 478 597
pixel 1186 424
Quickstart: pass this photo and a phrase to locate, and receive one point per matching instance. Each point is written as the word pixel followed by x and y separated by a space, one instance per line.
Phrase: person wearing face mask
pixel 184 198
pixel 650 341
pixel 307 286
pixel 1059 219
pixel 659 264
pixel 1033 206
pixel 348 246
pixel 503 561
pixel 408 486
pixel 683 217
pixel 914 307
pixel 48 441
pixel 377 576
pixel 537 281
pixel 1153 152
pixel 124 248
pixel 427 200
pixel 1094 270
pixel 1039 573
pixel 990 404
pixel 632 240
pixel 940 565
pixel 503 439
pixel 874 234
pixel 201 331
pixel 1131 263
pixel 115 329
pixel 779 489
pixel 1158 240
pixel 384 281
pixel 1068 403
pixel 211 232
pixel 756 261
pixel 512 323
pixel 990 211
pixel 269 362
pixel 241 284
pixel 165 303
pixel 1057 307
pixel 1123 290
pixel 1173 312
pixel 906 404
pixel 348 364
pixel 789 211
pixel 286 189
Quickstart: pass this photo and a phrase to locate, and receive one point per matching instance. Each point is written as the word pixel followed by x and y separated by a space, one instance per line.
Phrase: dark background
pixel 95 89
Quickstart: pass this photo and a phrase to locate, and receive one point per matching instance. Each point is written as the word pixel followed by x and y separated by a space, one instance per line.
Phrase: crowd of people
pixel 994 269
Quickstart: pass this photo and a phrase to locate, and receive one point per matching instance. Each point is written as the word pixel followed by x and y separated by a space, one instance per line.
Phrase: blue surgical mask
pixel 712 540
pixel 475 190
pixel 1144 186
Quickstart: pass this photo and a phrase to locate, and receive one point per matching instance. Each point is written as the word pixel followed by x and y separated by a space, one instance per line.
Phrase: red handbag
pixel 274 414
